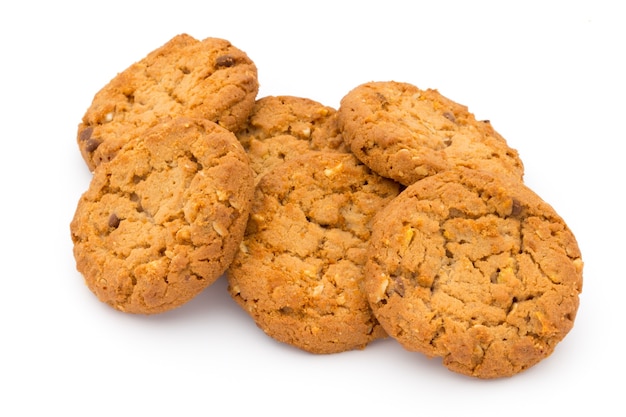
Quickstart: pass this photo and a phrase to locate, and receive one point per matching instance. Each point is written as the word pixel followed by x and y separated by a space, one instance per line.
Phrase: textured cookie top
pixel 210 79
pixel 404 133
pixel 281 127
pixel 163 220
pixel 299 272
pixel 475 270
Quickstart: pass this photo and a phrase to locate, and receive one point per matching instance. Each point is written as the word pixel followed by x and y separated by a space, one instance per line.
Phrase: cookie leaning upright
pixel 474 269
pixel 404 133
pixel 209 79
pixel 163 219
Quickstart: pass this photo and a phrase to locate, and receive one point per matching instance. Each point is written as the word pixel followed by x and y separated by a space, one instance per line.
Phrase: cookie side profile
pixel 164 218
pixel 282 127
pixel 404 133
pixel 299 271
pixel 475 270
pixel 209 79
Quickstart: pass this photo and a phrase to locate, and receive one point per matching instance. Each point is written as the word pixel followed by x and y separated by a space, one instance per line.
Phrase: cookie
pixel 210 79
pixel 164 218
pixel 281 127
pixel 404 133
pixel 476 270
pixel 299 271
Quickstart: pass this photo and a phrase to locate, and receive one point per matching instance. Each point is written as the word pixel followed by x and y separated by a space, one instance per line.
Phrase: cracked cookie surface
pixel 299 271
pixel 210 79
pixel 163 220
pixel 283 127
pixel 476 270
pixel 405 133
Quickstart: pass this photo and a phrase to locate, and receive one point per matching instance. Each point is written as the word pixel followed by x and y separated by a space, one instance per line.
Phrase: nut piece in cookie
pixel 478 271
pixel 299 271
pixel 209 79
pixel 404 133
pixel 163 220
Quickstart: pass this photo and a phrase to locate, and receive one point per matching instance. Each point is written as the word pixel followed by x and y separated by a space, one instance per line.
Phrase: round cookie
pixel 299 271
pixel 163 220
pixel 476 270
pixel 210 79
pixel 404 133
pixel 281 127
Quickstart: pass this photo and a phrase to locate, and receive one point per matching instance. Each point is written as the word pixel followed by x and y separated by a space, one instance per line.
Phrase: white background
pixel 548 74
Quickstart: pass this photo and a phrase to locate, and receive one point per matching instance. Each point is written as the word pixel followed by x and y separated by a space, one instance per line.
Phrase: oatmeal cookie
pixel 282 127
pixel 404 133
pixel 299 271
pixel 209 79
pixel 476 270
pixel 164 218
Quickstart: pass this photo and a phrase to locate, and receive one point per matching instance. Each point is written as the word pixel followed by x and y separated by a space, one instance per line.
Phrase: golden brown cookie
pixel 476 270
pixel 164 218
pixel 209 79
pixel 299 271
pixel 404 133
pixel 281 127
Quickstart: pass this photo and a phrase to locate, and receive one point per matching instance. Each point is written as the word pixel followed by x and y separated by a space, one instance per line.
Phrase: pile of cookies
pixel 396 215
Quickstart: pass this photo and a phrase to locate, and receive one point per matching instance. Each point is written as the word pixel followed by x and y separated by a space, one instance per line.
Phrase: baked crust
pixel 209 79
pixel 476 270
pixel 299 272
pixel 405 133
pixel 164 218
pixel 283 127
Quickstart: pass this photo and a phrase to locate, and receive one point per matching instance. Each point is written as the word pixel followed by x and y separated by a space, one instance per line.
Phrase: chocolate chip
pixel 399 289
pixel 516 208
pixel 136 180
pixel 85 134
pixel 114 221
pixel 454 212
pixel 136 199
pixel 285 310
pixel 92 144
pixel 450 116
pixel 225 61
pixel 397 286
